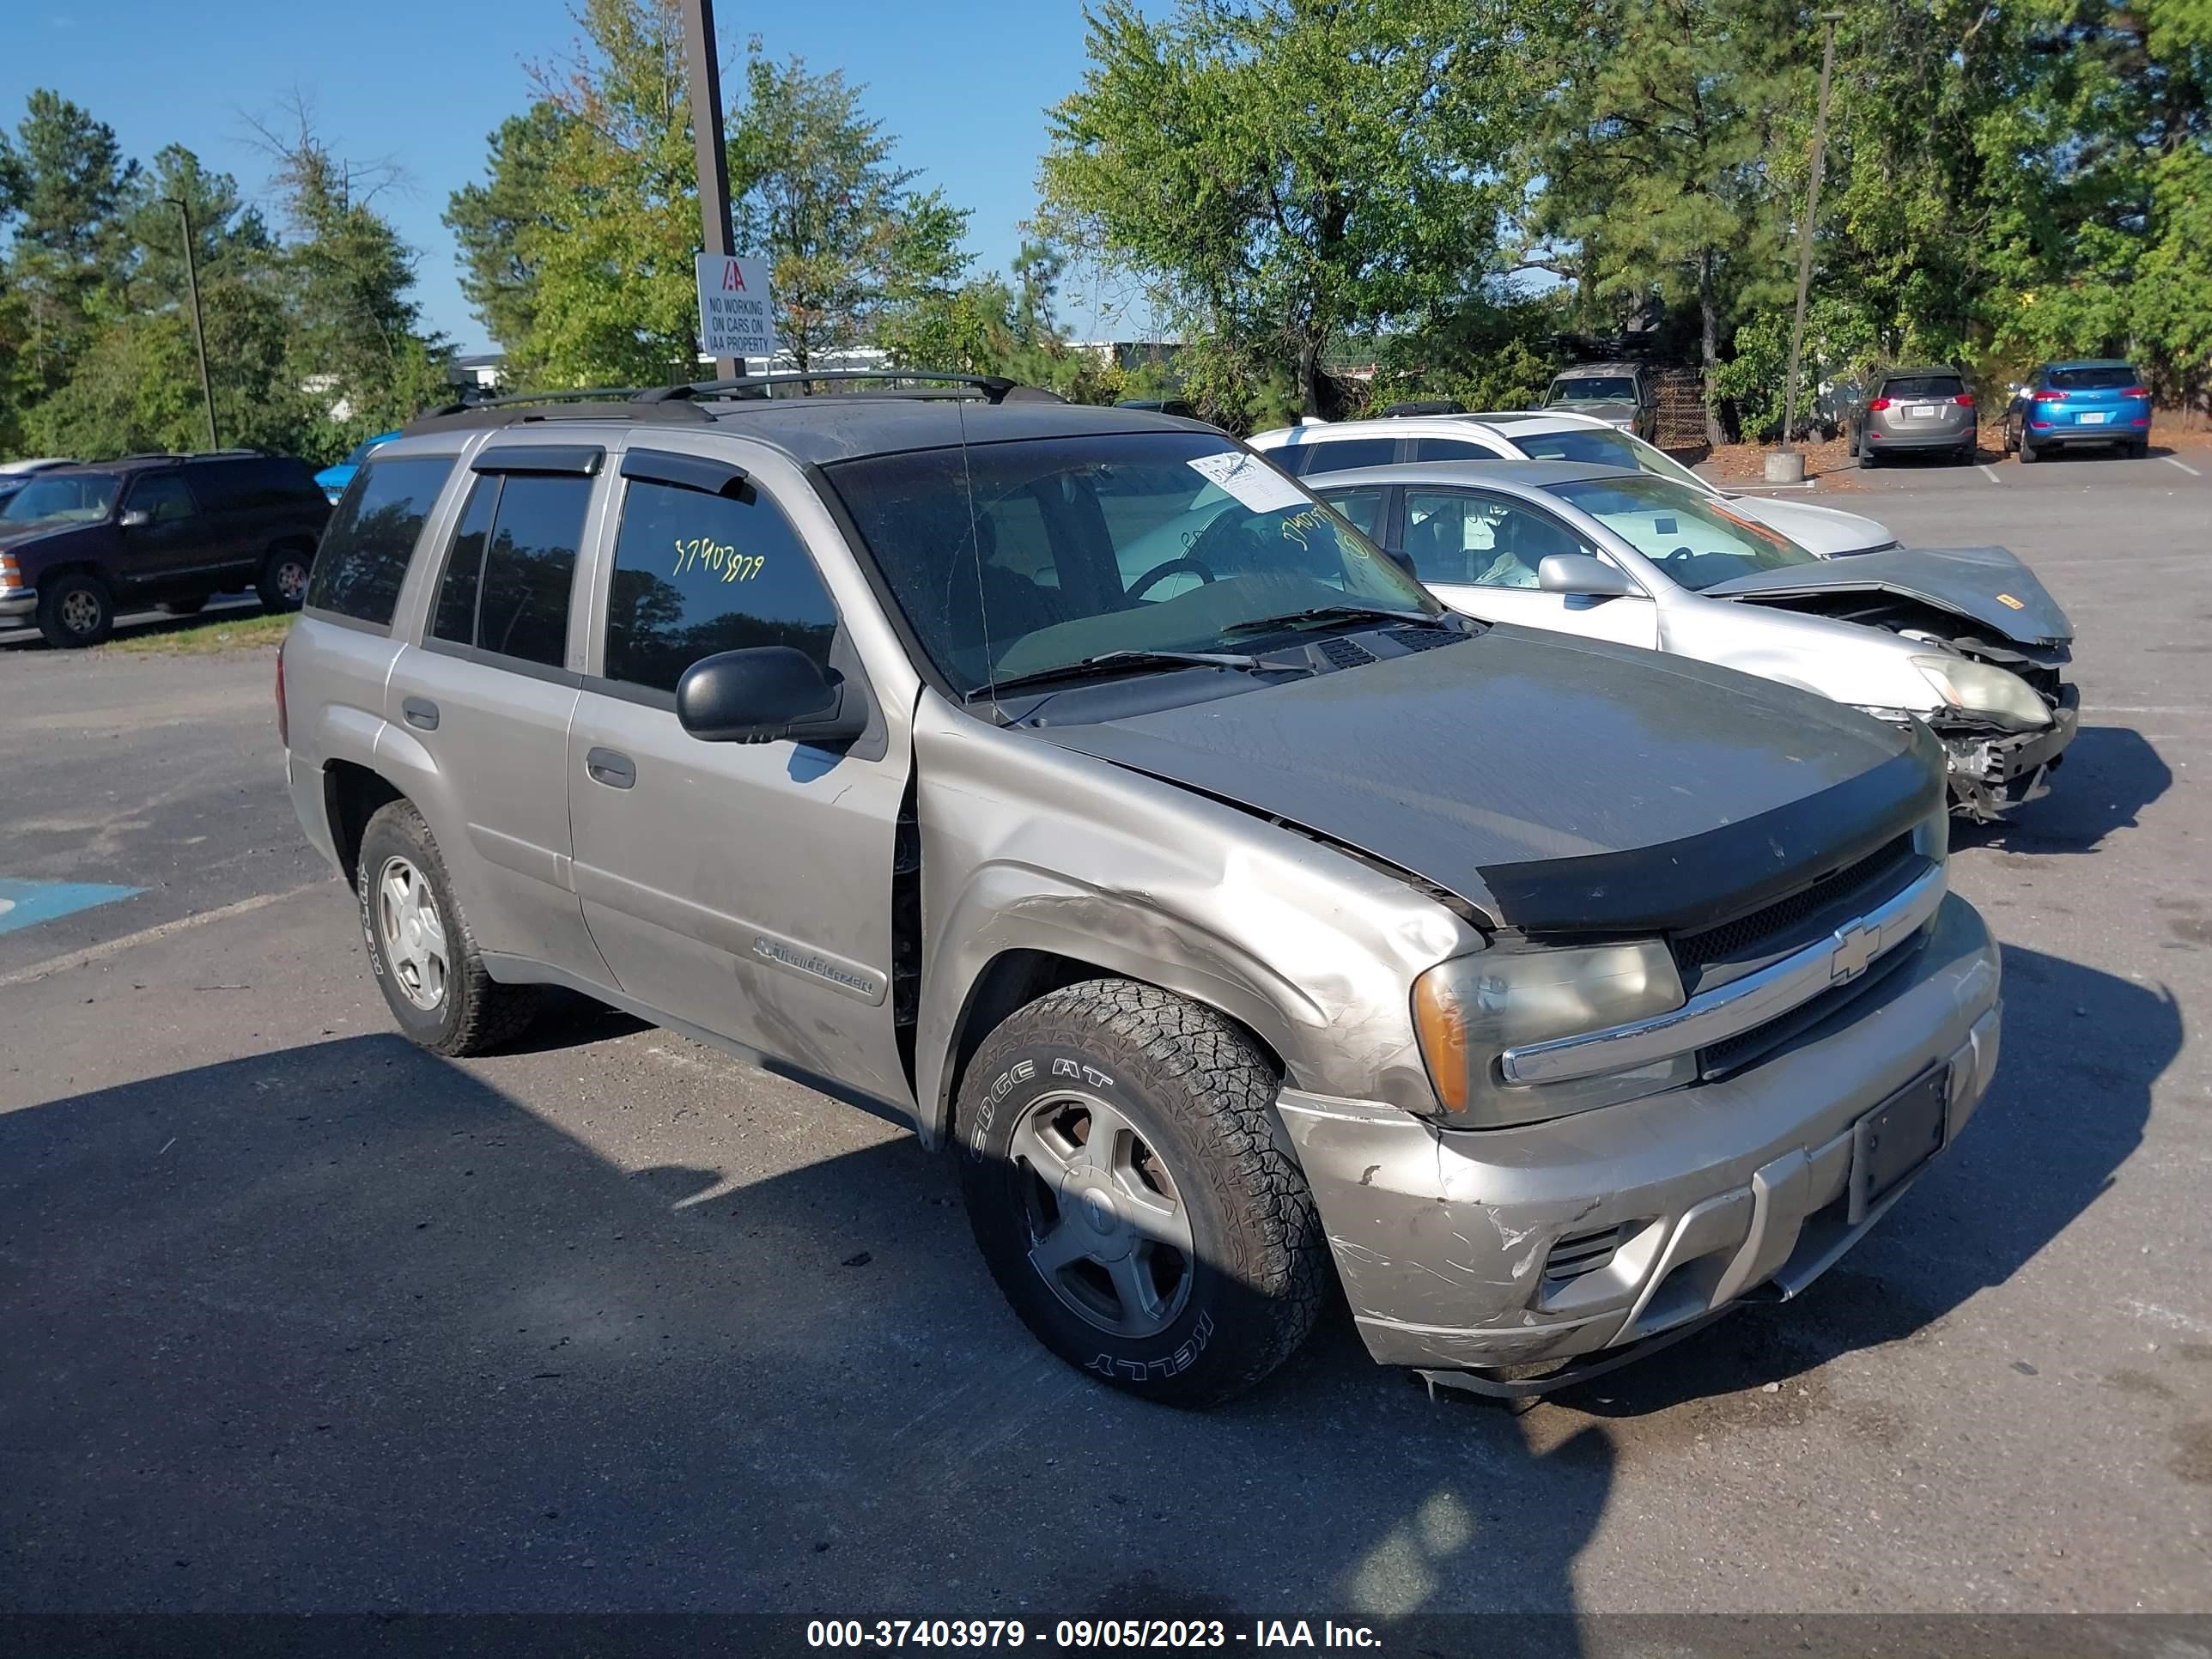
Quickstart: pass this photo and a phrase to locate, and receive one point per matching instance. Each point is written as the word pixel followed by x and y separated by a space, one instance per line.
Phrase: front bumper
pixel 18 602
pixel 1458 1249
pixel 1985 770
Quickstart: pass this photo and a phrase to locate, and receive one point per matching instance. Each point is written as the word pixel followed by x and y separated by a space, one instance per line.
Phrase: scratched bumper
pixel 1463 1249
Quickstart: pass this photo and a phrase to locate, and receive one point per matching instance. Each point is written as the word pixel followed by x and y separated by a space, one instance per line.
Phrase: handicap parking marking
pixel 27 903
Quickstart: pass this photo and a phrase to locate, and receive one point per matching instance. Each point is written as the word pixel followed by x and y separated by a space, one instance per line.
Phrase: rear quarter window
pixel 371 539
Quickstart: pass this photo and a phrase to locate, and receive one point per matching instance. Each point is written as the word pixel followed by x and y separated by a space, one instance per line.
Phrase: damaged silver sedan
pixel 1964 638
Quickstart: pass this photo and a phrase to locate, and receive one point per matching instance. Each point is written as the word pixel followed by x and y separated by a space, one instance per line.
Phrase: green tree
pixel 850 244
pixel 490 222
pixel 1288 170
pixel 356 335
pixel 1654 155
pixel 63 184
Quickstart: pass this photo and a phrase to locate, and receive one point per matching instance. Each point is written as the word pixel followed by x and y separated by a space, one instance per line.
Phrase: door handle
pixel 420 713
pixel 605 766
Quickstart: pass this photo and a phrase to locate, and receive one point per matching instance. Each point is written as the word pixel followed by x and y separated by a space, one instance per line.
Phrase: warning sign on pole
pixel 734 319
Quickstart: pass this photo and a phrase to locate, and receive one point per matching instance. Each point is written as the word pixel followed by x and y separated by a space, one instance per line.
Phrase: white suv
pixel 1321 446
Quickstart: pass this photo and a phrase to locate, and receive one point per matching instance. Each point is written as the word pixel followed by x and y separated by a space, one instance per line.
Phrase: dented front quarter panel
pixel 1028 846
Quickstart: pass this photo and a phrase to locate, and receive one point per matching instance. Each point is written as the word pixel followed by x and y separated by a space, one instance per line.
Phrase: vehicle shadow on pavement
pixel 343 1328
pixel 2082 1050
pixel 2111 773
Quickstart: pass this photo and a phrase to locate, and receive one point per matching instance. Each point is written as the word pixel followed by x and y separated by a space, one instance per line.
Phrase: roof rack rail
pixel 995 388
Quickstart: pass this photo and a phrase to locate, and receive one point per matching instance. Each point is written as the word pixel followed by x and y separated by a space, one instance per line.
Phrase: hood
pixel 52 537
pixel 1988 586
pixel 1561 785
pixel 1825 531
pixel 1603 409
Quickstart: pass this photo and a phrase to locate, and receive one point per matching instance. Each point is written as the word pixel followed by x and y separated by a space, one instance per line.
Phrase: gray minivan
pixel 1072 783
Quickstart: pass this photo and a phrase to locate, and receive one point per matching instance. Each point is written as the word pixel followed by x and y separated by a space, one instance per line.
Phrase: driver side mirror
pixel 1581 574
pixel 769 693
pixel 135 516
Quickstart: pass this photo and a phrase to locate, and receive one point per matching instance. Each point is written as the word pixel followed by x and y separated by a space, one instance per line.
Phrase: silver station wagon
pixel 1253 929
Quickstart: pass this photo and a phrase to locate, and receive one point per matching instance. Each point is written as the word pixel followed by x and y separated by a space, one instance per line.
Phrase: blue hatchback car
pixel 334 479
pixel 2099 401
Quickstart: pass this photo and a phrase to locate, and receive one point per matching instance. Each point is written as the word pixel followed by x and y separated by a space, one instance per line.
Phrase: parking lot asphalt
pixel 294 1316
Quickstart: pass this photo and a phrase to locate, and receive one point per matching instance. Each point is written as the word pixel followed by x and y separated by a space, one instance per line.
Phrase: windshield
pixel 1691 537
pixel 1593 389
pixel 76 498
pixel 1075 547
pixel 1607 446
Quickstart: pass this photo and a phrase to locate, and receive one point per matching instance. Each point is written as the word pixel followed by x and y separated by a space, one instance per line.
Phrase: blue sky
pixel 964 87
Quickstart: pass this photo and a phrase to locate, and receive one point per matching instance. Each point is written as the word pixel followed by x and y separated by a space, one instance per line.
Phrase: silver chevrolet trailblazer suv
pixel 1071 781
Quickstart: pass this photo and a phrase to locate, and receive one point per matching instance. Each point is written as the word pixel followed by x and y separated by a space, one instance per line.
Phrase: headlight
pixel 1469 1009
pixel 1981 689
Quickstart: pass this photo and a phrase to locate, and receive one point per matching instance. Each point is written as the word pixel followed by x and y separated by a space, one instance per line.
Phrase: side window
pixel 696 573
pixel 1342 454
pixel 1461 539
pixel 1451 449
pixel 371 537
pixel 162 498
pixel 455 615
pixel 507 579
pixel 1362 506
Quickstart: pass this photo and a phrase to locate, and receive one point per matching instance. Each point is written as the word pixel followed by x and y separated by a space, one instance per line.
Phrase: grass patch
pixel 202 636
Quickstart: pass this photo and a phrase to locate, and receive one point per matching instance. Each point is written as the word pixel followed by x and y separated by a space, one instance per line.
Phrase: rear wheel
pixel 1132 1192
pixel 75 610
pixel 1864 455
pixel 419 945
pixel 282 585
pixel 2136 448
pixel 2028 452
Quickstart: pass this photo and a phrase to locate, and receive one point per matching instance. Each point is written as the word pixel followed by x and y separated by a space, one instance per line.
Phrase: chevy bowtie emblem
pixel 1856 947
pixel 2008 599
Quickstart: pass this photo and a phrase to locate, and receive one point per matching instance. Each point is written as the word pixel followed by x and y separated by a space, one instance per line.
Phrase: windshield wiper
pixel 1111 662
pixel 1336 613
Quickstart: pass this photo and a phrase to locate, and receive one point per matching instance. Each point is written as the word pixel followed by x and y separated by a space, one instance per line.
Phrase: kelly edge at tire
pixel 1201 1160
pixel 474 1013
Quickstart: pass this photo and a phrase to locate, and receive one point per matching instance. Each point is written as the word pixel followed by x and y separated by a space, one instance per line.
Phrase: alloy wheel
pixel 411 932
pixel 1109 1231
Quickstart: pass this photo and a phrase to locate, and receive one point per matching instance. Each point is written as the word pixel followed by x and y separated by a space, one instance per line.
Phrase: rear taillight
pixel 1878 404
pixel 2050 397
pixel 1965 400
pixel 283 715
pixel 2136 391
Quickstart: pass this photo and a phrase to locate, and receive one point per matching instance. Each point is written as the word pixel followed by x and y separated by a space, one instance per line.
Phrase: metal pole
pixel 705 82
pixel 199 324
pixel 1805 230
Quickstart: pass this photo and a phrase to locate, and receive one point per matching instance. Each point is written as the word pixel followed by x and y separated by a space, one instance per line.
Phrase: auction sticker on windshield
pixel 1250 480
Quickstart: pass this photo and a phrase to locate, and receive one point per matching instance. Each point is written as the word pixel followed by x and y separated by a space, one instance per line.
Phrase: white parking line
pixel 101 951
pixel 2183 466
pixel 1991 475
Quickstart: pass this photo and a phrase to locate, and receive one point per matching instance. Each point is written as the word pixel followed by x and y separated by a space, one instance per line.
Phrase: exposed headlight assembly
pixel 1979 689
pixel 1469 1009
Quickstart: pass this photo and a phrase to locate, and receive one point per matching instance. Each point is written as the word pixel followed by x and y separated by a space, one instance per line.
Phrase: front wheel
pixel 419 945
pixel 75 610
pixel 1132 1193
pixel 282 584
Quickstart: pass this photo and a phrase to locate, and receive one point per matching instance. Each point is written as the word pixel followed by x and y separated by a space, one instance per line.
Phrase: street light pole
pixel 705 83
pixel 1805 230
pixel 199 324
